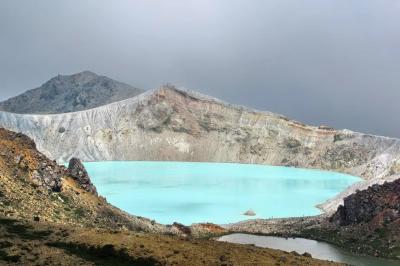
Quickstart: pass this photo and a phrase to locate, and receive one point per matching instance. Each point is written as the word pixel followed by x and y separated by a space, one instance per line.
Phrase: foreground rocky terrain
pixel 70 93
pixel 38 243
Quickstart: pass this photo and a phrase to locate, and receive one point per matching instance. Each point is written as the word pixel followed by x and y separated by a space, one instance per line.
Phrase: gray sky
pixel 320 62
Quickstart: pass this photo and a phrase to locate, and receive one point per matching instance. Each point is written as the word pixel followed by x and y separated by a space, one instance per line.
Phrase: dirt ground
pixel 38 243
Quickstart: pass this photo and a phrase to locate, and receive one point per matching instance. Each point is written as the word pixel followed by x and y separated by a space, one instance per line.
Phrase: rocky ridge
pixel 182 125
pixel 70 93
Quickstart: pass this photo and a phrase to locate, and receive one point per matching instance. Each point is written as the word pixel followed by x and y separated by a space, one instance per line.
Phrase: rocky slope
pixel 182 125
pixel 71 93
pixel 33 187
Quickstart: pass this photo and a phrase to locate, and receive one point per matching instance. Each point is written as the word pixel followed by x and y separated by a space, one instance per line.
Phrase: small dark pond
pixel 319 250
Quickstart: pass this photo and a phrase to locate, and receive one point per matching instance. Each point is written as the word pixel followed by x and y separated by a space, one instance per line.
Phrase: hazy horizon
pixel 320 62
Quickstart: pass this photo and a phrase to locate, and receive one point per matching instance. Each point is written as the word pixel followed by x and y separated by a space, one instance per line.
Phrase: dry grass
pixel 37 243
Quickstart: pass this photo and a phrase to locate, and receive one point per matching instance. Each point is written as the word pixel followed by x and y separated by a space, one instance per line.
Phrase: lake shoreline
pixel 316 228
pixel 305 247
pixel 174 191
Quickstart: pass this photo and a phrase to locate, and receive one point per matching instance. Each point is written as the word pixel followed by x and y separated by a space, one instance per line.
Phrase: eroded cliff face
pixel 182 125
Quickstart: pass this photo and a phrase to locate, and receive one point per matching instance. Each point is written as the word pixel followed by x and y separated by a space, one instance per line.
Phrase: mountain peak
pixel 85 73
pixel 70 93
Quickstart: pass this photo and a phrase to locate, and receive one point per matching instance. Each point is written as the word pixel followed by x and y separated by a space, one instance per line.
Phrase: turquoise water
pixel 213 192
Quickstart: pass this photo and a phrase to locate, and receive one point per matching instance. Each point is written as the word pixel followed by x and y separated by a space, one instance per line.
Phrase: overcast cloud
pixel 321 62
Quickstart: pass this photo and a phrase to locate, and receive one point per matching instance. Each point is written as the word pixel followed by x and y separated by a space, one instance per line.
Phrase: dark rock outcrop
pixel 379 204
pixel 369 221
pixel 183 228
pixel 79 173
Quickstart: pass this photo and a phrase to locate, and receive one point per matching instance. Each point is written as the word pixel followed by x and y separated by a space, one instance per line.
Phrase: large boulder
pixel 79 173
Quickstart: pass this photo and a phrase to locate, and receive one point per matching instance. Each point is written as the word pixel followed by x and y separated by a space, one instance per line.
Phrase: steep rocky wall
pixel 182 125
